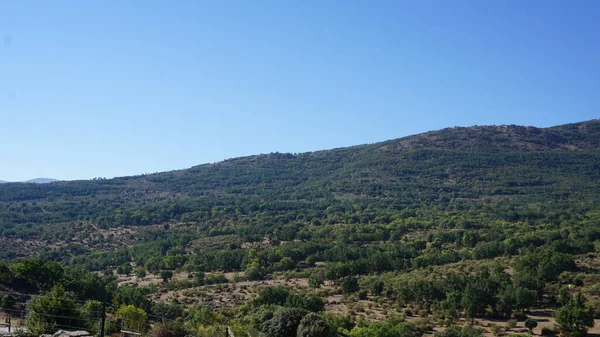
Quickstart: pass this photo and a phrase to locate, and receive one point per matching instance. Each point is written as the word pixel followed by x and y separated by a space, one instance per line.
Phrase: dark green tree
pixel 349 284
pixel 574 319
pixel 313 325
pixel 166 275
pixel 531 324
pixel 284 323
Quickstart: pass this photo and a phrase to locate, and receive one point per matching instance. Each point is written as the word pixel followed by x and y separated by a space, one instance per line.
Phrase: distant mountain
pixel 33 181
pixel 40 180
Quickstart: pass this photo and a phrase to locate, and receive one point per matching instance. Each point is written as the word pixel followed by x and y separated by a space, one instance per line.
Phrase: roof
pixel 79 333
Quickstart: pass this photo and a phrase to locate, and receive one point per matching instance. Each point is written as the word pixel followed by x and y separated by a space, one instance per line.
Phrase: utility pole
pixel 103 318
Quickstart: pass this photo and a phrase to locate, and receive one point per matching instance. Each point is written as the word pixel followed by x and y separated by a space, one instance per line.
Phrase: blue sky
pixel 111 88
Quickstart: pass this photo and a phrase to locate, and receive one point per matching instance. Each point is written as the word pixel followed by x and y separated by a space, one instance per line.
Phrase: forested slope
pixel 475 222
pixel 507 166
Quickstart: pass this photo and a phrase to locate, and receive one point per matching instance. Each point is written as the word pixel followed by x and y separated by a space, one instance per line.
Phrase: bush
pixel 531 324
pixel 424 324
pixel 519 316
pixel 510 324
pixel 496 329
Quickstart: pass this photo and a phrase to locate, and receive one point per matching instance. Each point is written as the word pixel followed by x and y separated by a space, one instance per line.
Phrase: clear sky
pixel 111 88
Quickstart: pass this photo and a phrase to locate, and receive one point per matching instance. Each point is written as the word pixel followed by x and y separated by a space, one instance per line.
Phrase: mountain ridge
pixel 496 170
pixel 32 181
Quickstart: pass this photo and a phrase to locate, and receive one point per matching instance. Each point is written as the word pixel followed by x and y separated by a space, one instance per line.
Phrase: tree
pixel 54 310
pixel 349 285
pixel 134 319
pixel 37 273
pixel 92 310
pixel 573 319
pixel 284 323
pixel 166 275
pixel 124 269
pixel 305 301
pixel 451 305
pixel 316 279
pixel 201 315
pixel 531 324
pixel 6 275
pixel 313 325
pixel 286 263
pixel 564 296
pixel 272 295
pixel 377 287
pixel 167 310
pixel 8 302
pixel 253 273
pixel 140 272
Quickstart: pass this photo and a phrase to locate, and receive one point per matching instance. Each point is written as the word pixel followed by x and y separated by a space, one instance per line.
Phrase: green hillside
pixel 506 168
pixel 478 222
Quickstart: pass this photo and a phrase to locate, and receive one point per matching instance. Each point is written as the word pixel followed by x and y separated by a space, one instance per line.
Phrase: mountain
pixel 492 173
pixel 34 181
pixel 456 224
pixel 40 180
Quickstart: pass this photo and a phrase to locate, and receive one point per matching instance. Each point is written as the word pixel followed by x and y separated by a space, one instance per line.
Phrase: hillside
pixel 499 170
pixel 485 223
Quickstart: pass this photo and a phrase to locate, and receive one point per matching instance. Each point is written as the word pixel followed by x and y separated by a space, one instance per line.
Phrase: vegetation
pixel 389 239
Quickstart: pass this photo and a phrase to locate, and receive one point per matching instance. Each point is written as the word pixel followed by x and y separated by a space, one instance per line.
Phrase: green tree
pixel 284 323
pixel 316 279
pixel 140 272
pixel 349 285
pixel 167 310
pixel 54 310
pixel 531 324
pixel 377 287
pixel 92 310
pixel 573 319
pixel 272 295
pixel 166 275
pixel 124 269
pixel 313 325
pixel 201 316
pixel 134 319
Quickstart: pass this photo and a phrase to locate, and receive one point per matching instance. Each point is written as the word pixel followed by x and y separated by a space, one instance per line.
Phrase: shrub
pixel 496 329
pixel 510 324
pixel 519 316
pixel 531 324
